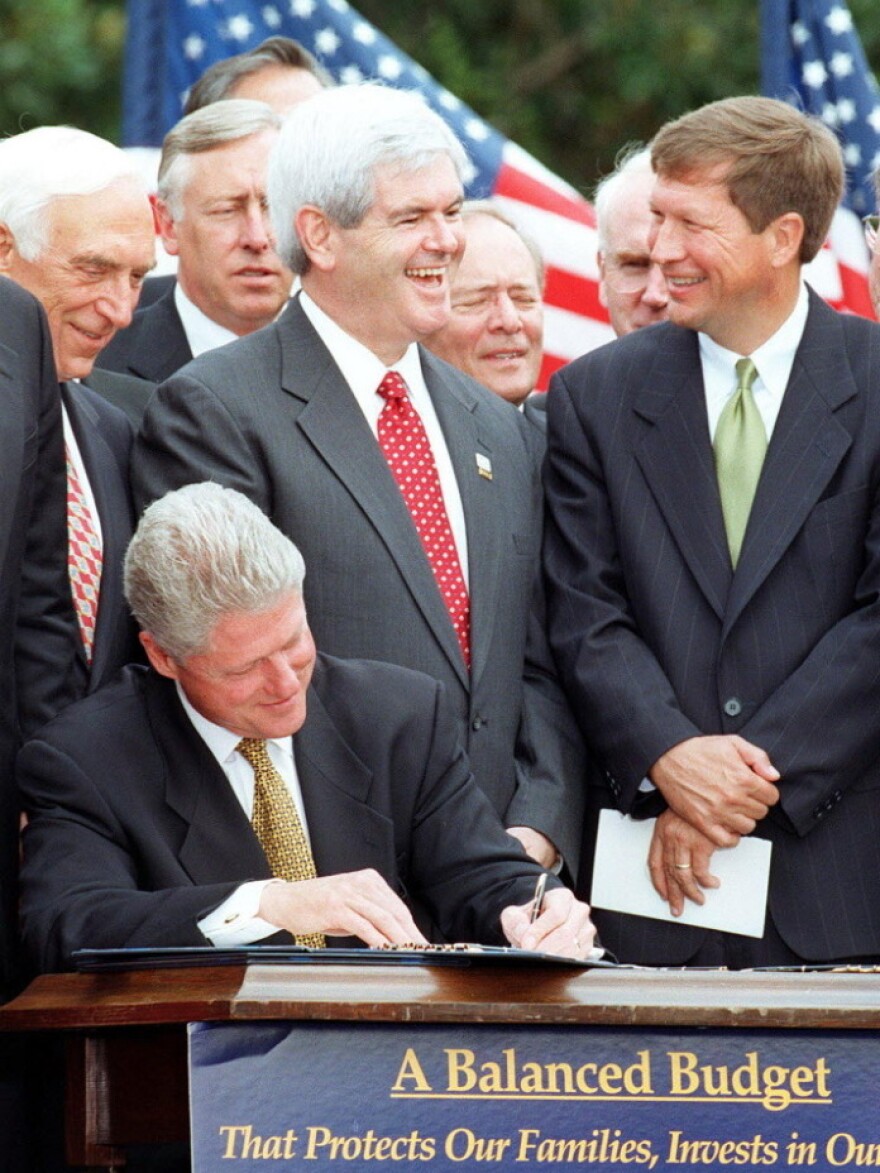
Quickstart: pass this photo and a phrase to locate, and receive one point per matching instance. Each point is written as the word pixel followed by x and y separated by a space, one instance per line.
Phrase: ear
pixel 165 227
pixel 788 234
pixel 600 257
pixel 8 251
pixel 159 659
pixel 317 235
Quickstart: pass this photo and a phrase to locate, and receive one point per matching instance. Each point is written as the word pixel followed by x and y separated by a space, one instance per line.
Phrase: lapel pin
pixel 484 466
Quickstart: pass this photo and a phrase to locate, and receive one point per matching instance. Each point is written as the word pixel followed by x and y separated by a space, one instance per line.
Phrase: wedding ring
pixel 683 867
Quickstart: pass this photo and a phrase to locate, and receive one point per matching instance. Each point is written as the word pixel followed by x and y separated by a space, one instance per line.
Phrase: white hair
pixel 329 148
pixel 633 160
pixel 49 162
pixel 202 552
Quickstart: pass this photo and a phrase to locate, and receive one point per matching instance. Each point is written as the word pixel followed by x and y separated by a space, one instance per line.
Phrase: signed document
pixel 622 882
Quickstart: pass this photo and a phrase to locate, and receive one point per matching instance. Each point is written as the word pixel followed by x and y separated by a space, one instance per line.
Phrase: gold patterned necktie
pixel 277 825
pixel 740 447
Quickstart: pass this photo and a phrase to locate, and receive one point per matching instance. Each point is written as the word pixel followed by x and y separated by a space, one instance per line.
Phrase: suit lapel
pixel 336 428
pixel 346 833
pixel 220 844
pixel 675 456
pixel 806 448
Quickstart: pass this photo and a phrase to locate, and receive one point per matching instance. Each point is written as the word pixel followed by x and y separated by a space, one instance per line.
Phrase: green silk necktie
pixel 740 446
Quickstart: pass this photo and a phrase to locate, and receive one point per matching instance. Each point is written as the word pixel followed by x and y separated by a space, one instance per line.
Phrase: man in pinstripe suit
pixel 730 685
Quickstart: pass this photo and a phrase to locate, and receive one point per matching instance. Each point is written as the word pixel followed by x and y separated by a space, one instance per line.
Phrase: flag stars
pixel 327 42
pixel 364 33
pixel 829 114
pixel 302 8
pixel 448 101
pixel 338 5
pixel 841 64
pixel 814 74
pixel 390 67
pixel 239 28
pixel 846 110
pixel 873 119
pixel 351 76
pixel 193 47
pixel 271 17
pixel 839 20
pixel 852 154
pixel 800 34
pixel 476 130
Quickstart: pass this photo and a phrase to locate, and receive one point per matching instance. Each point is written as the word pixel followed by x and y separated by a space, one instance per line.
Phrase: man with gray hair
pixel 77 232
pixel 495 332
pixel 631 285
pixel 316 418
pixel 213 216
pixel 244 786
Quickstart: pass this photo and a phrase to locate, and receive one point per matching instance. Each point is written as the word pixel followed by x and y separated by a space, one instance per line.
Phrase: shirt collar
pixel 360 368
pixel 219 740
pixel 775 357
pixel 202 332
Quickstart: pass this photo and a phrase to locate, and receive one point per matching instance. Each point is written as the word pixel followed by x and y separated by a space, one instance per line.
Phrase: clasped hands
pixel 361 904
pixel 717 789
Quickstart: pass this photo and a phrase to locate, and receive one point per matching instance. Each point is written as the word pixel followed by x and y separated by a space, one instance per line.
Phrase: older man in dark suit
pixel 79 236
pixel 713 550
pixel 316 416
pixel 243 787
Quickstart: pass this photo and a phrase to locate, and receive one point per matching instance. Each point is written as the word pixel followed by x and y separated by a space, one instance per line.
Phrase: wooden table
pixel 126 1042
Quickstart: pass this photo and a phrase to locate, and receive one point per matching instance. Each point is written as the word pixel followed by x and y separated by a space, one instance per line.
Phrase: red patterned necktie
pixel 405 445
pixel 84 557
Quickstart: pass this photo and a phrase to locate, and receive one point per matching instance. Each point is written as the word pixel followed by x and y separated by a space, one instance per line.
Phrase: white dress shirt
pixel 773 362
pixel 235 921
pixel 363 372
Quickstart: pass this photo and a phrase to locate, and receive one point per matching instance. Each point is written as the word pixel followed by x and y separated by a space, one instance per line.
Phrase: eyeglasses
pixel 872 227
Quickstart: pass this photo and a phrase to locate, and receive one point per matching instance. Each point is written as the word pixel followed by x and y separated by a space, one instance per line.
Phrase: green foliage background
pixel 570 80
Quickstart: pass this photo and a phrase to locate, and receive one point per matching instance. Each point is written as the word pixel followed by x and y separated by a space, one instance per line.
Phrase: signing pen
pixel 538 898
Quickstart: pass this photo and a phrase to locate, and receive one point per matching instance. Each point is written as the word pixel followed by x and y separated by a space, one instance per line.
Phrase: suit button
pixel 477 724
pixel 733 707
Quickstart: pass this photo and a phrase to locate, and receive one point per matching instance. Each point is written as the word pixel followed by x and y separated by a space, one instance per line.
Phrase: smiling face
pixel 631 287
pixel 89 274
pixel 734 284
pixel 253 678
pixel 227 264
pixel 387 280
pixel 496 329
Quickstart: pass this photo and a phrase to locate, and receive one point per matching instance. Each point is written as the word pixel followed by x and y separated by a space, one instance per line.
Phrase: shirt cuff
pixel 235 921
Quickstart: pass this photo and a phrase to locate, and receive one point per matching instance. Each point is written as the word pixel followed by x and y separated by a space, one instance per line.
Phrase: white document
pixel 622 882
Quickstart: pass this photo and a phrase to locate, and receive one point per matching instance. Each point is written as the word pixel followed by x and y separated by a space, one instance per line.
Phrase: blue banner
pixel 362 1097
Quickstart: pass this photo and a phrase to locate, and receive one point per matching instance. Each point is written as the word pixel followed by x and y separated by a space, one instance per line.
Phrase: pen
pixel 538 898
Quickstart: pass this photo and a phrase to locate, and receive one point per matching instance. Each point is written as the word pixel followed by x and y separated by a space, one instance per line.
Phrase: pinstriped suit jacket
pixel 658 639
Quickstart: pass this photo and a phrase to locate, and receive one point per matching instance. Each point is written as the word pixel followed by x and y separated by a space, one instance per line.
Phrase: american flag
pixel 813 58
pixel 171 42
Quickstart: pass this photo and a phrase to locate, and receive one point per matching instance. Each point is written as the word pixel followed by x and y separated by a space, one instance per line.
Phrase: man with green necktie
pixel 713 553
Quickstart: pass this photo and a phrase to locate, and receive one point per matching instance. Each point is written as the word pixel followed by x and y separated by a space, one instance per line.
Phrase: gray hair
pixel 632 160
pixel 472 208
pixel 49 162
pixel 202 552
pixel 330 146
pixel 203 130
pixel 220 79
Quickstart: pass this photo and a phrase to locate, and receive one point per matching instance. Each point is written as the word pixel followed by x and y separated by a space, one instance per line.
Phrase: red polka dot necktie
pixel 405 445
pixel 84 558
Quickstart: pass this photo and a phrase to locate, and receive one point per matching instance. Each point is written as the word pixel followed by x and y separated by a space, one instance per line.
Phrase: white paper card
pixel 622 882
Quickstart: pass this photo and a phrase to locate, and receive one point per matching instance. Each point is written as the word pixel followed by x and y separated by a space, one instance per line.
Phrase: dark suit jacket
pixel 130 394
pixel 152 347
pixel 135 833
pixel 105 437
pixel 659 640
pixel 271 416
pixel 36 624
